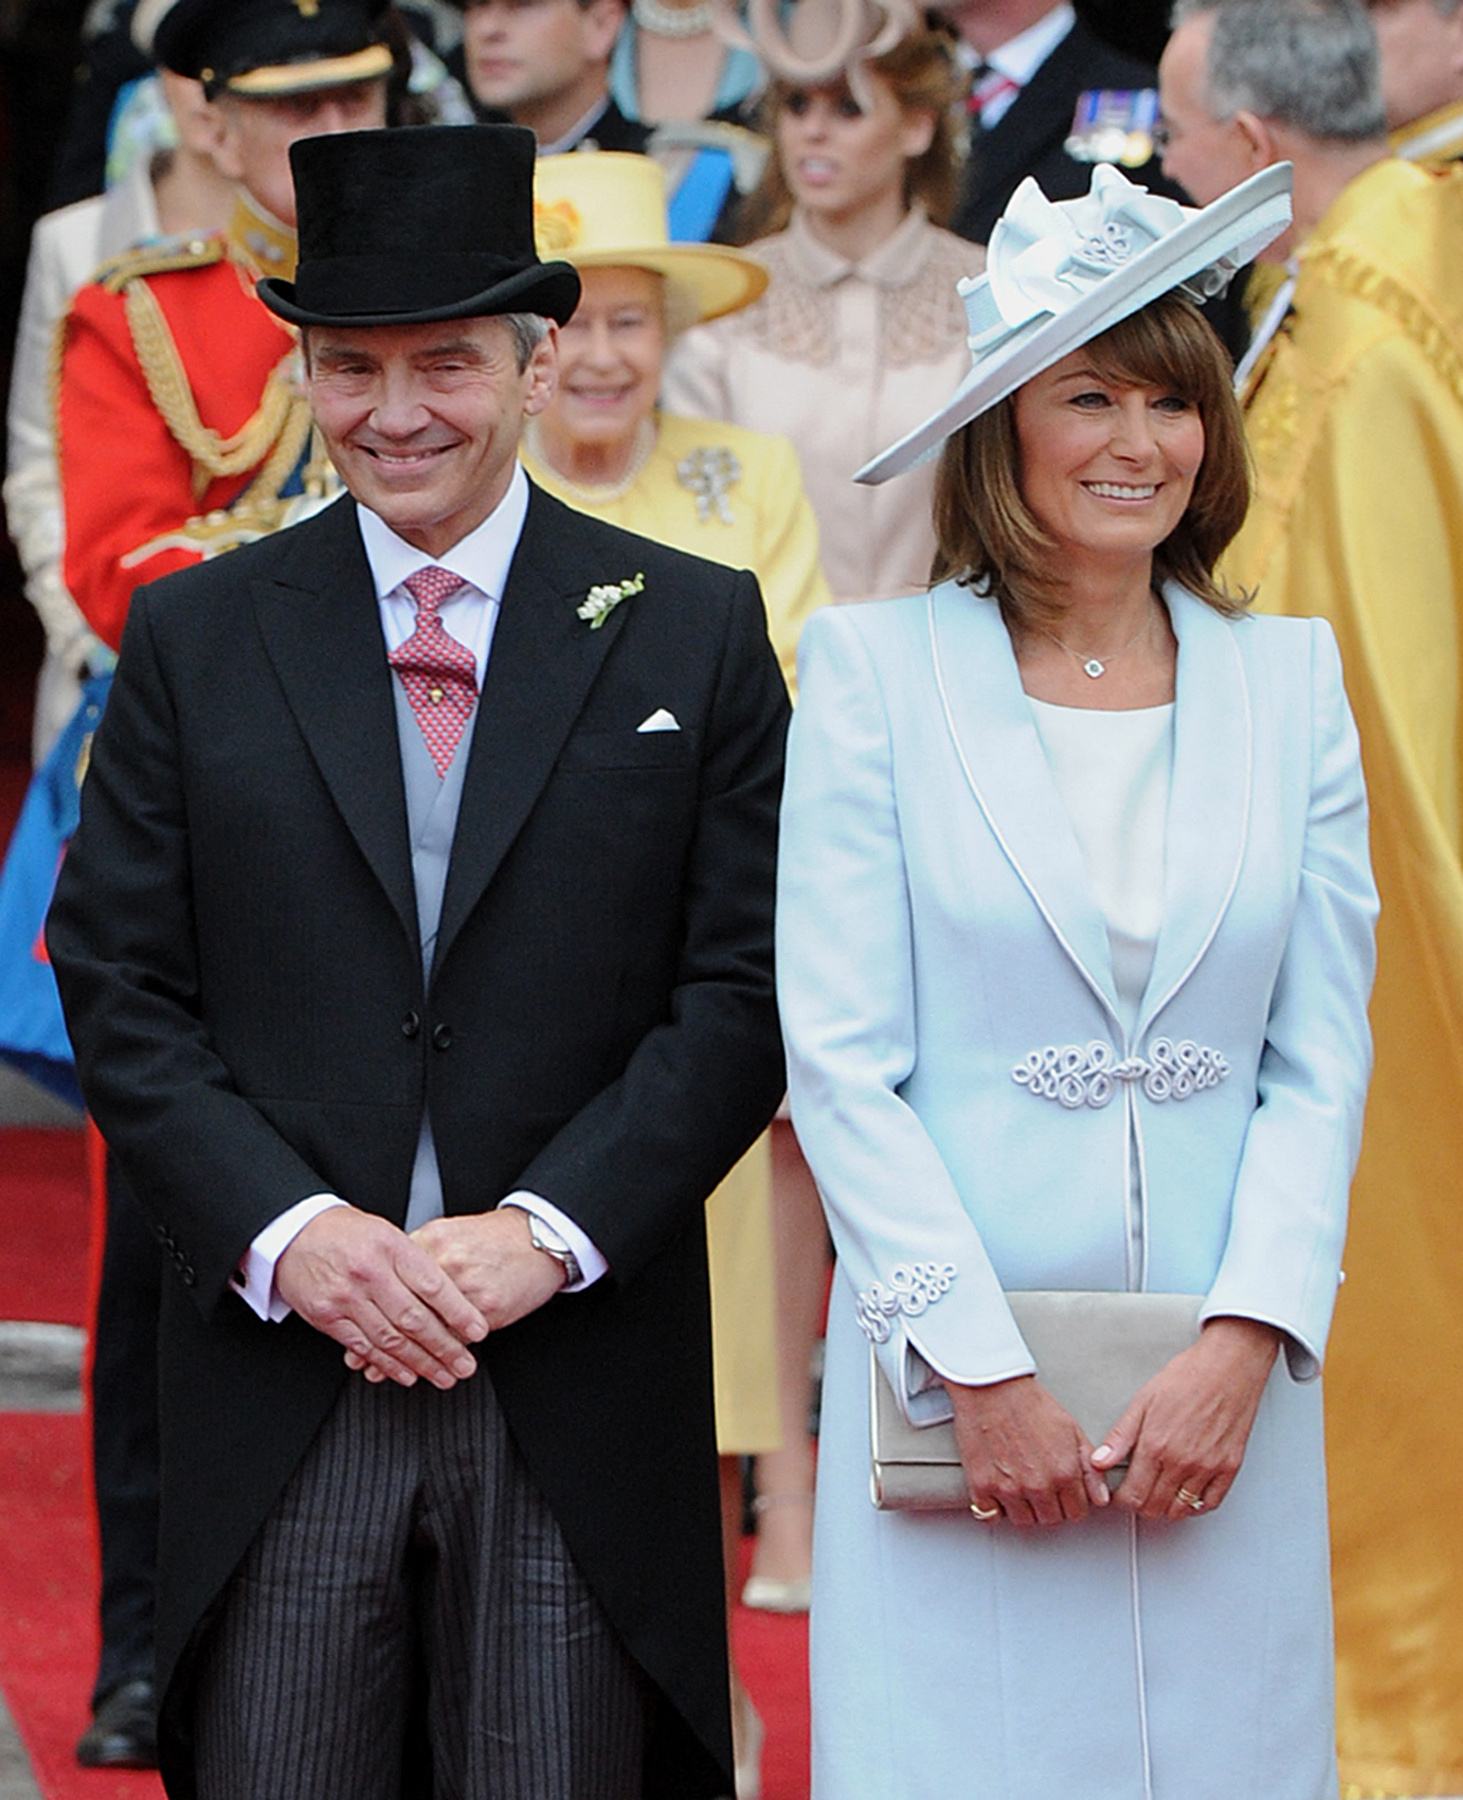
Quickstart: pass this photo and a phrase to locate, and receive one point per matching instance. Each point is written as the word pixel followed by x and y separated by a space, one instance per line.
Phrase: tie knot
pixel 429 587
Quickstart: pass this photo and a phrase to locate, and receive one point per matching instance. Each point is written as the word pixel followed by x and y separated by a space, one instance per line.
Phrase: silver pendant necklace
pixel 1095 666
pixel 672 21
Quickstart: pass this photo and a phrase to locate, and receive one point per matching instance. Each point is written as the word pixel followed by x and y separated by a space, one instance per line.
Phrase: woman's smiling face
pixel 1107 468
pixel 610 356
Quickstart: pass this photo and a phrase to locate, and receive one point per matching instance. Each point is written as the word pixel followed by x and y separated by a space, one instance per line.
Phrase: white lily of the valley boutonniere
pixel 601 601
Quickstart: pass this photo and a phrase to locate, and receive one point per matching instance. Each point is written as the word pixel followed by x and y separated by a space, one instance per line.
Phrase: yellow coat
pixel 1355 419
pixel 763 523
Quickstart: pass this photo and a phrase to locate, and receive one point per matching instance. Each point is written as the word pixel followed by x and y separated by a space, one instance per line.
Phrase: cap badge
pixel 307 9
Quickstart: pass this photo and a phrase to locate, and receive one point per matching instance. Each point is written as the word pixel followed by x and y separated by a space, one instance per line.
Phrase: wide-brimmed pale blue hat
pixel 1060 272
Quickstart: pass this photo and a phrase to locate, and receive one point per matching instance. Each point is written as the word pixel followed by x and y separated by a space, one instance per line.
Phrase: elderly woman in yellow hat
pixel 716 490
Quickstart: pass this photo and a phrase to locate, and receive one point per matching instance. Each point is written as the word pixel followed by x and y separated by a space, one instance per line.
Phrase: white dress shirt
pixel 481 560
pixel 1019 58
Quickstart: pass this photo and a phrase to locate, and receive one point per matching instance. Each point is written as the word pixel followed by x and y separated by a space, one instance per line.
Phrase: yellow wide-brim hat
pixel 603 209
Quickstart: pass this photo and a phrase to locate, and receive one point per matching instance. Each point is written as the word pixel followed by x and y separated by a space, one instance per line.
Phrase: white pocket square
pixel 660 720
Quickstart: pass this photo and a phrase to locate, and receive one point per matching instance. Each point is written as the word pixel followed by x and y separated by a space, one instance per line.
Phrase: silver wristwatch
pixel 553 1243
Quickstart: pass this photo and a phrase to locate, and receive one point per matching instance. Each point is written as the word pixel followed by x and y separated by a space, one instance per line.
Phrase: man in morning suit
pixel 1036 71
pixel 176 428
pixel 416 945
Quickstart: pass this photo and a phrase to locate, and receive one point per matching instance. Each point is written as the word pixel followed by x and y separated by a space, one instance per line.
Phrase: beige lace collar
pixel 898 261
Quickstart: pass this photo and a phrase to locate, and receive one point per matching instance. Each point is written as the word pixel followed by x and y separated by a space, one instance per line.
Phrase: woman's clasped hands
pixel 1183 1437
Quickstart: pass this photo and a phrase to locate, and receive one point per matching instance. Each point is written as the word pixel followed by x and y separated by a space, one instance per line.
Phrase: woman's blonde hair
pixel 987 535
pixel 921 76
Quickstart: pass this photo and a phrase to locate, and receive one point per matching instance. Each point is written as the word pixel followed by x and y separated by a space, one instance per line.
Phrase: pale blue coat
pixel 978 1119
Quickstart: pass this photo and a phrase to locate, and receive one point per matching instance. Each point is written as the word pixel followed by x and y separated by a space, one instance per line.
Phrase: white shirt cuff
pixel 591 1259
pixel 253 1280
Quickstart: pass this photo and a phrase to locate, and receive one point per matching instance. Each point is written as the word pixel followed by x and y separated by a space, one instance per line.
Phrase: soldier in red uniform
pixel 182 432
pixel 181 426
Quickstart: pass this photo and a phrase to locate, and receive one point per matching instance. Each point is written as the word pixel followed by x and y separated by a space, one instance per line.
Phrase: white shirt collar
pixel 481 558
pixel 1021 56
pixel 579 130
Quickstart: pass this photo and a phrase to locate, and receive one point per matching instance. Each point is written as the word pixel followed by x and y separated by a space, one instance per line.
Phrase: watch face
pixel 544 1237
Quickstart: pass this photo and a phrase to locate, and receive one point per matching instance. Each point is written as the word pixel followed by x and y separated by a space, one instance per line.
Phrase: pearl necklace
pixel 672 21
pixel 1098 666
pixel 596 493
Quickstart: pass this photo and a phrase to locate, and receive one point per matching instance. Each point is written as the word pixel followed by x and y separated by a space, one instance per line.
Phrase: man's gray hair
pixel 1309 64
pixel 529 331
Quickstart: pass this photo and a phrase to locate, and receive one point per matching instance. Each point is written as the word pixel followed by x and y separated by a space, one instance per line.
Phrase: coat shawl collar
pixel 323 635
pixel 1000 751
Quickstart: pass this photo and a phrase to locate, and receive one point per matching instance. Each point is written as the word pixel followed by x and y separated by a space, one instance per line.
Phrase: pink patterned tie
pixel 438 674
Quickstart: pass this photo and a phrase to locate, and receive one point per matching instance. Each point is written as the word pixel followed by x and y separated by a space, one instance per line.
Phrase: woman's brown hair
pixel 920 74
pixel 986 534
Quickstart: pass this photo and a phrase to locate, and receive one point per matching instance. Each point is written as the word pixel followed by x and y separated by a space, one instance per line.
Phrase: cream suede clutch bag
pixel 1093 1351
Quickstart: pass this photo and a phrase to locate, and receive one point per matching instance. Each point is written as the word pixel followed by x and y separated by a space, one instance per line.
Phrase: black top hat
pixel 421 223
pixel 264 48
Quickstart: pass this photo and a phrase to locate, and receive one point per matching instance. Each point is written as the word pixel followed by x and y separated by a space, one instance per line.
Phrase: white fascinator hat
pixel 1060 272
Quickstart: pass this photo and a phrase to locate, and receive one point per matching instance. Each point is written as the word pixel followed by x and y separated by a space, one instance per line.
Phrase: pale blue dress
pixel 952 922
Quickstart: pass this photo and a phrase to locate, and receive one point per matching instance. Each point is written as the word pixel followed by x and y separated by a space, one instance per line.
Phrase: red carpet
pixel 48 1575
pixel 772 1654
pixel 48 1581
pixel 48 1625
pixel 45 1226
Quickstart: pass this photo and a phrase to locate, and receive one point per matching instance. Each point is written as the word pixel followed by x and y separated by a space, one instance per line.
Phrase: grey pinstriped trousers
pixel 410 1544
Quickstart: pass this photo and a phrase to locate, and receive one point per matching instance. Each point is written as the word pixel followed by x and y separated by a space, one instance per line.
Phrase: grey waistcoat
pixel 432 804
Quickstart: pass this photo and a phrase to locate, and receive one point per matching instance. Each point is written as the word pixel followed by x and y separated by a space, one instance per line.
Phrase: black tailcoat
pixel 235 935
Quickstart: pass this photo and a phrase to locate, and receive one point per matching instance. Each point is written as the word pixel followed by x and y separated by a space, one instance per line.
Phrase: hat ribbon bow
pixel 1044 255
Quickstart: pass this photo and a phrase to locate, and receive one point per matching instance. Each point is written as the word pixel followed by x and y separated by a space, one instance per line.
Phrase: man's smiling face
pixel 422 421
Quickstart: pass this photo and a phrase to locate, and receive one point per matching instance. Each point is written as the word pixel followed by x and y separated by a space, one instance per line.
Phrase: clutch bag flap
pixel 1093 1351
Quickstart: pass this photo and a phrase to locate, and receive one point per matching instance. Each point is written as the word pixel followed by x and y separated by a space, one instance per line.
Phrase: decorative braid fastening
pixel 913 1289
pixel 1078 1075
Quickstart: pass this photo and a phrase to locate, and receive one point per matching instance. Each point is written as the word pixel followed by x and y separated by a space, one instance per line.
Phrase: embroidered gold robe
pixel 1355 417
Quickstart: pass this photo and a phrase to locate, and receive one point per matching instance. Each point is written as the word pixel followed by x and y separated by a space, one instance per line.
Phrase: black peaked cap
pixel 216 41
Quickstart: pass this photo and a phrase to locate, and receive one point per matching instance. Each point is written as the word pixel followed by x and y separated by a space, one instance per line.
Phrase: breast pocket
pixel 603 751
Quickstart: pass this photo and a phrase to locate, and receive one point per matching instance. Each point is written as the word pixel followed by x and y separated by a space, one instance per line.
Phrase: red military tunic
pixel 179 418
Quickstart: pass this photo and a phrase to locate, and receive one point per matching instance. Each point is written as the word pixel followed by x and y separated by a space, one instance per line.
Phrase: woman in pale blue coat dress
pixel 1075 943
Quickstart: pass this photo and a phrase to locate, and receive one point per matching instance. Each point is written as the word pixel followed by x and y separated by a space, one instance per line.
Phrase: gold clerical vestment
pixel 1437 137
pixel 1355 418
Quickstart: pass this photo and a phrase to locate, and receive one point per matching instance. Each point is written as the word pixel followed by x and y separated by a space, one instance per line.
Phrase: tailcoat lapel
pixel 1209 800
pixel 990 720
pixel 544 661
pixel 322 633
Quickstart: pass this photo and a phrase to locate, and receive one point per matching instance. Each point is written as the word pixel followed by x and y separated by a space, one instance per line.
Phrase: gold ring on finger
pixel 982 1512
pixel 1194 1502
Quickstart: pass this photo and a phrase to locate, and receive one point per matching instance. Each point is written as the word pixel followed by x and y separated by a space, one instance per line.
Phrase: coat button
pixel 411 1025
pixel 442 1037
